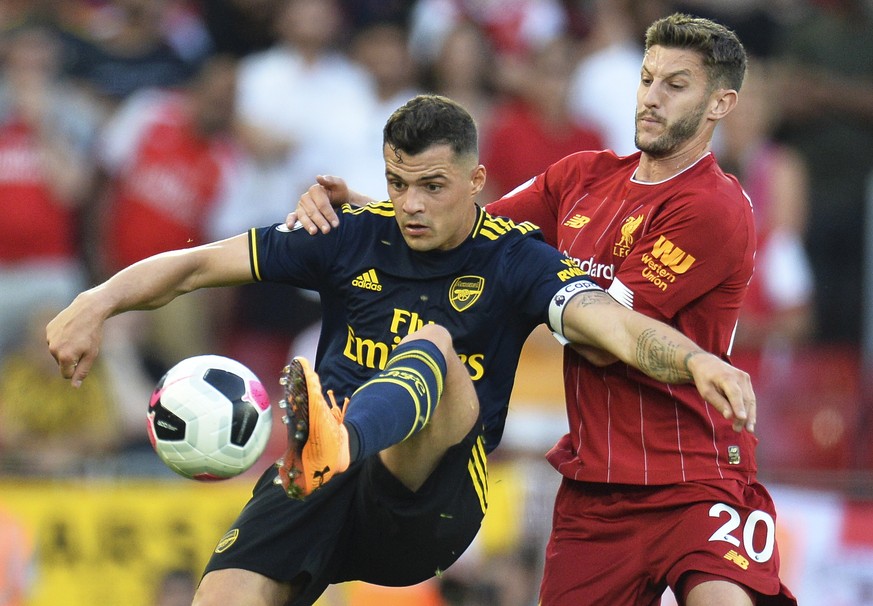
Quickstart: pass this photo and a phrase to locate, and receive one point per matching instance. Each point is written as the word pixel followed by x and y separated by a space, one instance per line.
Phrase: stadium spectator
pixel 383 50
pixel 826 98
pixel 464 69
pixel 512 27
pixel 303 105
pixel 777 312
pixel 46 169
pixel 240 27
pixel 17 561
pixel 167 158
pixel 530 130
pixel 125 49
pixel 604 82
pixel 46 429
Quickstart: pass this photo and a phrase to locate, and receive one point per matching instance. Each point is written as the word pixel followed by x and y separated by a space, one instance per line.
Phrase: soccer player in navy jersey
pixel 427 301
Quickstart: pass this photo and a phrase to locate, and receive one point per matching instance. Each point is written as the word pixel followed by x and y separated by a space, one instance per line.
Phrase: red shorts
pixel 619 544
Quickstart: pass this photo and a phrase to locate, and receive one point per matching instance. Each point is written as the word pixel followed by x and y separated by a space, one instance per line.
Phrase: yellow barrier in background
pixel 109 543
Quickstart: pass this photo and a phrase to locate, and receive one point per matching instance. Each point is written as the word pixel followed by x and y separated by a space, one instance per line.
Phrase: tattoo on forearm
pixel 586 299
pixel 687 359
pixel 656 356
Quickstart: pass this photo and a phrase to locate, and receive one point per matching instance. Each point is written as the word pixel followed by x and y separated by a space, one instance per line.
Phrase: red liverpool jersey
pixel 681 251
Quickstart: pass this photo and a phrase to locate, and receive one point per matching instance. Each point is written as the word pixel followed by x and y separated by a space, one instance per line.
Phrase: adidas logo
pixel 368 280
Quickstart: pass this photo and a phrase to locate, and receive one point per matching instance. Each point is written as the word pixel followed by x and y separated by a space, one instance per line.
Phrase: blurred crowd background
pixel 129 127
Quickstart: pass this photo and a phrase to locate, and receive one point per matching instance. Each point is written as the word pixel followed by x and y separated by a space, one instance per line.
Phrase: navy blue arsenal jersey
pixel 490 293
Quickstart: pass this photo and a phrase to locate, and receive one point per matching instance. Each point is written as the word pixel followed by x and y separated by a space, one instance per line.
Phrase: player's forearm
pixel 663 353
pixel 157 280
pixel 74 335
pixel 148 284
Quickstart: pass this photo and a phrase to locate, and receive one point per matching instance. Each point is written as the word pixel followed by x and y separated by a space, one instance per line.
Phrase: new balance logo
pixel 577 221
pixel 737 559
pixel 368 280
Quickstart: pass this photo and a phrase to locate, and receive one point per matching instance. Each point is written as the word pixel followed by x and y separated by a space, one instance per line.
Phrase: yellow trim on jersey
pixel 525 227
pixel 477 466
pixel 253 254
pixel 383 209
pixel 480 217
pixel 493 227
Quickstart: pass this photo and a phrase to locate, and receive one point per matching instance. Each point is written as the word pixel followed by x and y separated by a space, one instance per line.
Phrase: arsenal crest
pixel 465 291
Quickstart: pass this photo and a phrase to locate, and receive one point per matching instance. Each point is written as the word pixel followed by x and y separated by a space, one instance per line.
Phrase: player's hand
pixel 726 388
pixel 315 209
pixel 73 338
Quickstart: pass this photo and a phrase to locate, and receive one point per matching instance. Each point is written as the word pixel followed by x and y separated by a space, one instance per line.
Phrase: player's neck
pixel 655 170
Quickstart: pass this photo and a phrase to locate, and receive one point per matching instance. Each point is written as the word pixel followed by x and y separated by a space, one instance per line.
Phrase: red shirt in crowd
pixel 35 223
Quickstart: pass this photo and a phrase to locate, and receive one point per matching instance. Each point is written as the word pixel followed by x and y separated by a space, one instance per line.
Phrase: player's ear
pixel 723 101
pixel 477 180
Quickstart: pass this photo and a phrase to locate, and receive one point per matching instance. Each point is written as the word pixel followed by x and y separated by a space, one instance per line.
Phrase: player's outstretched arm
pixel 594 318
pixel 315 208
pixel 75 334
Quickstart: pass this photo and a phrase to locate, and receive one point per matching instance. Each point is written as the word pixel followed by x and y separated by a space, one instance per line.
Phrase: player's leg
pixel 419 503
pixel 279 548
pixel 412 460
pixel 242 588
pixel 726 538
pixel 711 542
pixel 702 590
pixel 602 542
pixel 395 411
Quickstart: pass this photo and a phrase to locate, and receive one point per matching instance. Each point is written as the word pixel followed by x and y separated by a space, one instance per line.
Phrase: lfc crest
pixel 465 291
pixel 622 246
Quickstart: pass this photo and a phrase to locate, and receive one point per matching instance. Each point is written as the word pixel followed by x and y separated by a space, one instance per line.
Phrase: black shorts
pixel 362 525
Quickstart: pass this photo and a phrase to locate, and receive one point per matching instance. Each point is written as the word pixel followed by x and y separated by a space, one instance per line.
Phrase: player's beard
pixel 677 133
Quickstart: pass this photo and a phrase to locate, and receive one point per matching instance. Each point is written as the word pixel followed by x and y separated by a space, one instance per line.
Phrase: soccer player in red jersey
pixel 657 491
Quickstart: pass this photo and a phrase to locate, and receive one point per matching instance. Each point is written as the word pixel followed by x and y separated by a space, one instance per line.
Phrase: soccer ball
pixel 209 418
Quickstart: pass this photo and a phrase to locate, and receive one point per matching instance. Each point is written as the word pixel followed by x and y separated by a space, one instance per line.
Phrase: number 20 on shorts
pixel 727 532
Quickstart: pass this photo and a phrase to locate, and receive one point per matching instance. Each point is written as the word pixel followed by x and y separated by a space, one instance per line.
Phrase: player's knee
pixel 434 333
pixel 243 588
pixel 459 403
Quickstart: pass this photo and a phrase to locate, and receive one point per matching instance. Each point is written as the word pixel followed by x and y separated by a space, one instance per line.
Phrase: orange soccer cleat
pixel 318 442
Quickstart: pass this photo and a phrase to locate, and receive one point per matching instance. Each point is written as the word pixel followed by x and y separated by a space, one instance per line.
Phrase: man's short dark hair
pixel 428 120
pixel 723 54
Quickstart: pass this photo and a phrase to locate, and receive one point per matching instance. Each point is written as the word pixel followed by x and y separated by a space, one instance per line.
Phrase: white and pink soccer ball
pixel 209 418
